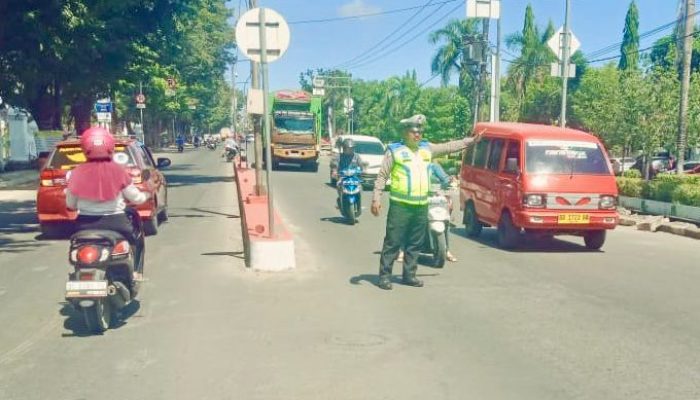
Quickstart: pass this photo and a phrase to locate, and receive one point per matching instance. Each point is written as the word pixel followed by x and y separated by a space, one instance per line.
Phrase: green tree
pixel 451 55
pixel 630 41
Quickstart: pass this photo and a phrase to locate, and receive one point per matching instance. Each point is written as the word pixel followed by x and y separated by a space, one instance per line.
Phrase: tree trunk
pixel 45 107
pixel 81 110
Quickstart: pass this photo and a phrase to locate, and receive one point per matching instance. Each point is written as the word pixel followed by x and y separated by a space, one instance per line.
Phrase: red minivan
pixel 136 158
pixel 542 179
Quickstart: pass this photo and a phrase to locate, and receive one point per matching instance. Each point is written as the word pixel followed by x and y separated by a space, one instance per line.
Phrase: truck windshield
pixel 565 157
pixel 294 125
pixel 369 148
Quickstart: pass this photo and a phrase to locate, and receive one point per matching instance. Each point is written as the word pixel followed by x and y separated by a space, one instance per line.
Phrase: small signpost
pixel 262 35
pixel 556 44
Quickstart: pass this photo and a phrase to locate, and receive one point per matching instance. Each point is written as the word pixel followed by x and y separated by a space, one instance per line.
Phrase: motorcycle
pixel 231 153
pixel 180 148
pixel 350 200
pixel 211 145
pixel 102 282
pixel 438 224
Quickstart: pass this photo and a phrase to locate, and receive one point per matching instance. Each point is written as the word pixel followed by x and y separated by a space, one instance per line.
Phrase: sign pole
pixel 143 131
pixel 266 120
pixel 565 65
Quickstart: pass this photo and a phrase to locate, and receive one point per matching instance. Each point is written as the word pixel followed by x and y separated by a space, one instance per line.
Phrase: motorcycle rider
pixel 98 188
pixel 180 141
pixel 347 159
pixel 230 145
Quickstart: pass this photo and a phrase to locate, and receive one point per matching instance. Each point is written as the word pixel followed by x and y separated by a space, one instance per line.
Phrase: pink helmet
pixel 97 143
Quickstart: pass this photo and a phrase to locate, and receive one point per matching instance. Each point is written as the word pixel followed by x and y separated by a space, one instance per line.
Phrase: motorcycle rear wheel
pixel 99 316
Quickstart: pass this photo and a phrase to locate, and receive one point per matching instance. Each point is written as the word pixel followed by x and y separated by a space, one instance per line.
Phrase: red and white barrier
pixel 262 252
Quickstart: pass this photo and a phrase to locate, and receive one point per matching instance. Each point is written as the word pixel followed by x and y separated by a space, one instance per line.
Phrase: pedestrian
pixel 407 163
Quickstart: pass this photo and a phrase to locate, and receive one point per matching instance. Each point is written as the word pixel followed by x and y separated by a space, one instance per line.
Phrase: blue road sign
pixel 103 107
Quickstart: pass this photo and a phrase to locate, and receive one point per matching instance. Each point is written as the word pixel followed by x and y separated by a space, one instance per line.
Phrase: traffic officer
pixel 407 163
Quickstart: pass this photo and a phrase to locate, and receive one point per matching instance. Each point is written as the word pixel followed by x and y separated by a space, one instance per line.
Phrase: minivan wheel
pixel 594 240
pixel 508 233
pixel 471 222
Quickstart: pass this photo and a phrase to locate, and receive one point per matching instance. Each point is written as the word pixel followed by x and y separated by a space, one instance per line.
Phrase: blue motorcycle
pixel 350 189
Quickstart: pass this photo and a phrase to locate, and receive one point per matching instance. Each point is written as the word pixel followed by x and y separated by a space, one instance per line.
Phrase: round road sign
pixel 276 34
pixel 140 98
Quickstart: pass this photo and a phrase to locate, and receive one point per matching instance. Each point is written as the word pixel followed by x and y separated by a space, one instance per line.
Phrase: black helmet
pixel 348 144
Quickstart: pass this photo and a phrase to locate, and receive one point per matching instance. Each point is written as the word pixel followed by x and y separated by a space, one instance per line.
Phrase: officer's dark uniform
pixel 407 219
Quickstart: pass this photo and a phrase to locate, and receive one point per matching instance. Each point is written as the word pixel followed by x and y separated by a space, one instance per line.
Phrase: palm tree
pixel 534 57
pixel 451 57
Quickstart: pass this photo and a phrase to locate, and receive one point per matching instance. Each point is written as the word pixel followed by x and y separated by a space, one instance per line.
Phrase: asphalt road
pixel 549 321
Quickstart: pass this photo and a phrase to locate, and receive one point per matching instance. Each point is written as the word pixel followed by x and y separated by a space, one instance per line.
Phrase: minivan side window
pixel 495 152
pixel 468 155
pixel 513 151
pixel 481 153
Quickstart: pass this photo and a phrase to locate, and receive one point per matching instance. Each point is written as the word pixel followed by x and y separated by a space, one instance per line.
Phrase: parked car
pixel 657 164
pixel 542 179
pixel 136 157
pixel 621 164
pixel 690 168
pixel 370 151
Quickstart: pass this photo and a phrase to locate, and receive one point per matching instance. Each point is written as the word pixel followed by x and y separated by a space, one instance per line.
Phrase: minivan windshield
pixel 565 157
pixel 369 148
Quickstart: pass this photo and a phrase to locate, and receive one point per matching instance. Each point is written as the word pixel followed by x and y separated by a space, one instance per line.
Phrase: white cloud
pixel 357 7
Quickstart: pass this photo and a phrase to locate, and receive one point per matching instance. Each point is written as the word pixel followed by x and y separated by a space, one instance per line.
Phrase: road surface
pixel 549 321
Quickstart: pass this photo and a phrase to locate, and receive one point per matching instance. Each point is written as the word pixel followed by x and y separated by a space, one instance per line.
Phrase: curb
pixel 652 223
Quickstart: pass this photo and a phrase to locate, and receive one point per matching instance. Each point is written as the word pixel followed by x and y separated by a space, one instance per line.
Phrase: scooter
pixel 231 153
pixel 180 148
pixel 211 145
pixel 438 224
pixel 350 201
pixel 102 282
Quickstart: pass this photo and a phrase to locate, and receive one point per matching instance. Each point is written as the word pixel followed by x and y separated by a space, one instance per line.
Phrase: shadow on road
pixel 176 180
pixel 336 220
pixel 235 254
pixel 76 323
pixel 528 243
pixel 17 217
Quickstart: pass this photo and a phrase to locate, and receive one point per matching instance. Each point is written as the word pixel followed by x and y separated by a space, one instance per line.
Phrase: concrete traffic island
pixel 262 253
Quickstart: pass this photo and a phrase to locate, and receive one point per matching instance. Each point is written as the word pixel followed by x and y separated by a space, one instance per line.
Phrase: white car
pixel 622 164
pixel 369 150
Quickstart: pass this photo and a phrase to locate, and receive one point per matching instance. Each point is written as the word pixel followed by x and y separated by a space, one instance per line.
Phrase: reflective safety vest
pixel 410 173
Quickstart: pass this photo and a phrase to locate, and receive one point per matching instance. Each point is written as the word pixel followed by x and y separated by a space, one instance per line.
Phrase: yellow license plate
pixel 574 219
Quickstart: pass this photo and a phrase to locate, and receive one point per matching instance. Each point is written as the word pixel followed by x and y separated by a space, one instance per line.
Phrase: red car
pixel 136 157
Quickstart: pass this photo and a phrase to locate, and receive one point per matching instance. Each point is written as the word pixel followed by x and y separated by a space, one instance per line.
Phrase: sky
pixel 596 23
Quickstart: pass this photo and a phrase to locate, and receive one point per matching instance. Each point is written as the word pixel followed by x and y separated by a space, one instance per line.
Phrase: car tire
pixel 51 231
pixel 508 233
pixel 472 226
pixel 594 240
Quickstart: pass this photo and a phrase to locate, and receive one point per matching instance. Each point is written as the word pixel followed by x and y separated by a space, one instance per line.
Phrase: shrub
pixel 662 187
pixel 630 187
pixel 632 173
pixel 687 194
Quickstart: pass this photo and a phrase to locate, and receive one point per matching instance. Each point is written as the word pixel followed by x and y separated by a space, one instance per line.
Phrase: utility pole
pixel 497 74
pixel 234 98
pixel 565 65
pixel 255 84
pixel 143 131
pixel 482 63
pixel 687 32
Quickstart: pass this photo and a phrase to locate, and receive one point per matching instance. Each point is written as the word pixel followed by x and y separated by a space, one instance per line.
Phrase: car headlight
pixel 535 200
pixel 607 202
